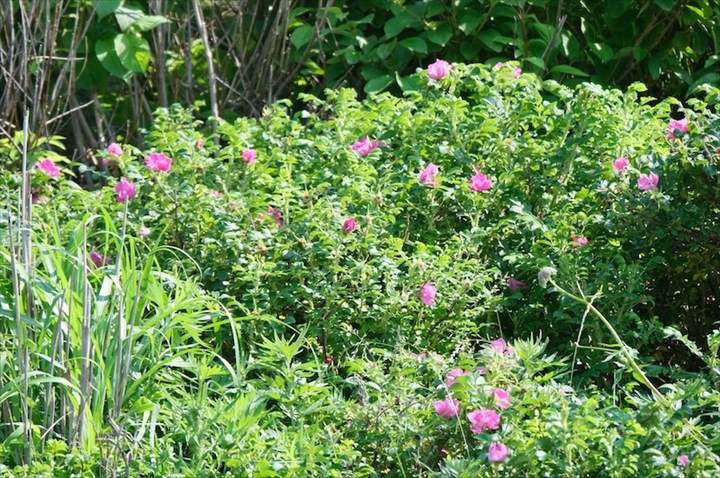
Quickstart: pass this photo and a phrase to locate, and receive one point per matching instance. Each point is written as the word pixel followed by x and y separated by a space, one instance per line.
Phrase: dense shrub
pixel 355 252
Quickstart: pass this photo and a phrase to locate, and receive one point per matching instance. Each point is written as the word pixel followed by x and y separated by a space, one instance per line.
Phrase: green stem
pixel 623 348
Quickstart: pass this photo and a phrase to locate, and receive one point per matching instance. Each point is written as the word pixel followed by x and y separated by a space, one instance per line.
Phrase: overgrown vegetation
pixel 322 291
pixel 96 69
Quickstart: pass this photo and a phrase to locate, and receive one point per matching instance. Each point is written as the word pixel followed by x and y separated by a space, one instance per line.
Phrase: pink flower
pixel 427 293
pixel 114 148
pixel 249 156
pixel 438 70
pixel 125 190
pixel 48 167
pixel 676 125
pixel 579 241
pixel 498 345
pixel 497 452
pixel 277 215
pixel 620 164
pixel 453 375
pixel 517 72
pixel 158 162
pixel 98 259
pixel 483 419
pixel 447 408
pixel 143 231
pixel 514 284
pixel 499 65
pixel 502 398
pixel 683 460
pixel 349 225
pixel 364 146
pixel 647 182
pixel 479 182
pixel 427 175
pixel 215 193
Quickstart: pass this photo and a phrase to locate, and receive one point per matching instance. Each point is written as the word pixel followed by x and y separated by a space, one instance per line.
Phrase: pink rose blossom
pixel 497 452
pixel 438 70
pixel 483 419
pixel 365 146
pixel 502 398
pixel 515 284
pixel 646 182
pixel 349 225
pixel 517 72
pixel 249 156
pixel 453 375
pixel 98 259
pixel 277 215
pixel 579 241
pixel 498 345
pixel 620 164
pixel 143 231
pixel 683 460
pixel 48 167
pixel 427 293
pixel 125 190
pixel 479 182
pixel 114 148
pixel 447 408
pixel 158 162
pixel 676 125
pixel 427 175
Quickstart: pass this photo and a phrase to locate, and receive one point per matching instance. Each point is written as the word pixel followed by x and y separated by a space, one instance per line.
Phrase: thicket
pixel 307 293
pixel 94 71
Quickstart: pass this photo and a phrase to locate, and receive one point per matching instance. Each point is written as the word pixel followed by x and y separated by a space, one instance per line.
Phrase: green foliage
pixel 669 45
pixel 249 334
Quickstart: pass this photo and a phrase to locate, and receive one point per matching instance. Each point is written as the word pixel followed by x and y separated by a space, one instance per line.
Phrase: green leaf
pixel 440 35
pixel 536 61
pixel 568 70
pixel 133 52
pixel 131 15
pixel 378 84
pixel 127 14
pixel 395 25
pixel 105 53
pixel 104 8
pixel 655 66
pixel 665 4
pixel 408 83
pixel 148 22
pixel 415 44
pixel 602 51
pixel 711 78
pixel 470 21
pixel 301 36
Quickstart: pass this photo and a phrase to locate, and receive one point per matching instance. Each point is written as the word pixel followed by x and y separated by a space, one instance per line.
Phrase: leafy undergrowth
pixel 319 294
